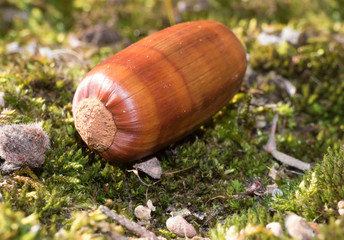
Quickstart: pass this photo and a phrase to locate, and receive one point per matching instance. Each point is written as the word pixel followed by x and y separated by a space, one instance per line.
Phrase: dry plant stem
pixel 270 147
pixel 223 197
pixel 147 185
pixel 132 226
pixel 286 159
pixel 148 188
pixel 180 170
pixel 167 173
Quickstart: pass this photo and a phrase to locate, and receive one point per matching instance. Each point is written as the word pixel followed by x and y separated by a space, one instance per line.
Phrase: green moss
pixel 15 225
pixel 320 190
pixel 332 230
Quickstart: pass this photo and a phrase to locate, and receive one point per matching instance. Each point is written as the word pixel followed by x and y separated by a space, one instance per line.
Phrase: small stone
pixel 290 35
pixel 199 238
pixel 12 48
pixel 142 213
pixel 151 167
pixel 261 122
pixel 297 227
pixel 182 6
pixel 275 228
pixel 2 100
pixel 150 205
pixel 179 226
pixel 340 207
pixel 341 212
pixel 109 203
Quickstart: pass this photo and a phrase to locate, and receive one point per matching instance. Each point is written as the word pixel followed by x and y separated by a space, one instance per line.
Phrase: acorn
pixel 158 90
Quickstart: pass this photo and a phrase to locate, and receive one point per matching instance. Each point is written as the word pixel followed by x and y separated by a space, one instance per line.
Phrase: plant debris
pixel 151 167
pixel 132 226
pixel 255 186
pixel 270 147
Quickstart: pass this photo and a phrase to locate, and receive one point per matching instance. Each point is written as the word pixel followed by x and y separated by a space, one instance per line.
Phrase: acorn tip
pixel 95 124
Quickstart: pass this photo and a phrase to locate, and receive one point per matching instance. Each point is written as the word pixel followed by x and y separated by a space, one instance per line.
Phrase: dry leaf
pixel 151 167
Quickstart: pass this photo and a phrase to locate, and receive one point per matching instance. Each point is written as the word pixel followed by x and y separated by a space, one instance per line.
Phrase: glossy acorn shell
pixel 158 90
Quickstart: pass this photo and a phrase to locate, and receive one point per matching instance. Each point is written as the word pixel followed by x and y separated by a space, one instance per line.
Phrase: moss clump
pixel 17 225
pixel 332 230
pixel 319 191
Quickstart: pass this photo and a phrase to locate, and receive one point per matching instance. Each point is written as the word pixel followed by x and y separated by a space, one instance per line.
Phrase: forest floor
pixel 296 70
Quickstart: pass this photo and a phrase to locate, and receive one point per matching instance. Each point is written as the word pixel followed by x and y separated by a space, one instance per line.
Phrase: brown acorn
pixel 158 90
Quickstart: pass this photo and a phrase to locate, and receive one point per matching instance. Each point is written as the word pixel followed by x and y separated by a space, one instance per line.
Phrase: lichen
pixel 23 145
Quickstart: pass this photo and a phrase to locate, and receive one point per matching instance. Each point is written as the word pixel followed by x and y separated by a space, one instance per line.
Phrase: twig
pixel 146 184
pixel 125 222
pixel 270 147
pixel 223 197
pixel 167 173
pixel 180 170
pixel 170 13
pixel 151 184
